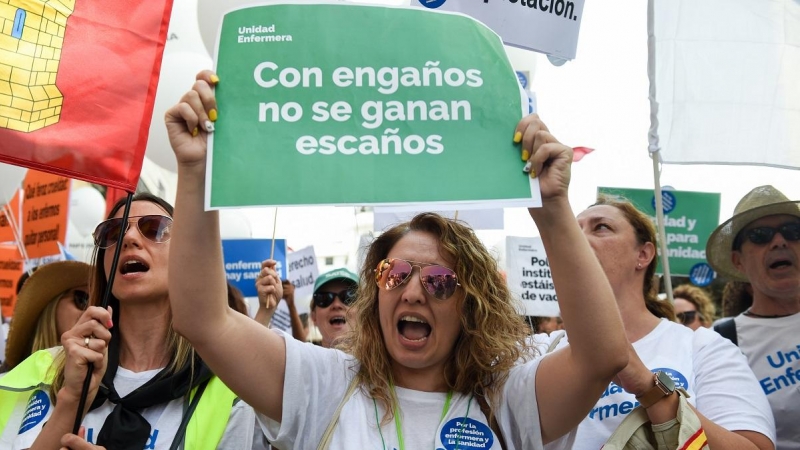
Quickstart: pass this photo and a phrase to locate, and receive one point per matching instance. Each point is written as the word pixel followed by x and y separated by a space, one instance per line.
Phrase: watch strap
pixel 654 394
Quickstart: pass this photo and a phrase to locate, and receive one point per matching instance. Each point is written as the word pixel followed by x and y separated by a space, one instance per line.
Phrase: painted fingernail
pixel 533 173
pixel 209 126
pixel 525 154
pixel 527 167
pixel 212 115
pixel 214 79
pixel 195 131
pixel 517 137
pixel 110 323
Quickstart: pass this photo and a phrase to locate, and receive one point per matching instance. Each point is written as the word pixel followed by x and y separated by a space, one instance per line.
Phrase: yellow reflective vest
pixel 204 431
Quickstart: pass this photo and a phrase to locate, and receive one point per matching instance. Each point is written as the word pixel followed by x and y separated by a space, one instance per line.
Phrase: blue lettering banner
pixel 243 261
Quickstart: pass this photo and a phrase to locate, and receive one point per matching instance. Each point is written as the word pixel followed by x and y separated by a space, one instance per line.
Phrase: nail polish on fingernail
pixel 110 323
pixel 212 115
pixel 209 126
pixel 525 154
pixel 517 137
pixel 195 131
pixel 527 167
pixel 214 79
pixel 533 173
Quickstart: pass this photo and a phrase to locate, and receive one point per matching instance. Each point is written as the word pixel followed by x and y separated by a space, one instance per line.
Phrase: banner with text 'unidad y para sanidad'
pixel 354 104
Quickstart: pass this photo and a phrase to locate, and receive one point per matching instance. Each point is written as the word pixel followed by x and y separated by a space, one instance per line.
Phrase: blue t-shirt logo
pixel 464 432
pixel 36 411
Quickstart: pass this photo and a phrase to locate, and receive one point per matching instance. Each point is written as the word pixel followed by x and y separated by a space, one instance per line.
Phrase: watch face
pixel 666 380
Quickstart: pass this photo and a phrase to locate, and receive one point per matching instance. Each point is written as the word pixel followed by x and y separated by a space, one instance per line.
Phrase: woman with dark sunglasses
pixel 665 357
pixel 438 356
pixel 148 389
pixel 693 307
pixel 48 304
pixel 334 292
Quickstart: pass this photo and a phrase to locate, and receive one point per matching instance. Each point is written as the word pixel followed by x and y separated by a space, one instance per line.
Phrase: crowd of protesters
pixel 421 346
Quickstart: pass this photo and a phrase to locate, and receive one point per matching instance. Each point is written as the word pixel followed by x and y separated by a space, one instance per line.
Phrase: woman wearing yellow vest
pixel 149 389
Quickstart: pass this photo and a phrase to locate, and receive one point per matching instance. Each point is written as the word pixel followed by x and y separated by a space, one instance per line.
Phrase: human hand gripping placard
pixel 418 109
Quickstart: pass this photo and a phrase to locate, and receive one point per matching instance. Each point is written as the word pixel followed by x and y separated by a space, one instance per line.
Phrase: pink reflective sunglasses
pixel 439 281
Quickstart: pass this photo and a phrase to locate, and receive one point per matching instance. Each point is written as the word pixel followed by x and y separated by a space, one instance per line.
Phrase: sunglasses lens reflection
pixel 155 228
pixel 398 273
pixel 81 299
pixel 439 281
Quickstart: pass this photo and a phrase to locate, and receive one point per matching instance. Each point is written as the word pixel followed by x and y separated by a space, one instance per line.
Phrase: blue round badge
pixel 667 201
pixel 432 4
pixel 464 432
pixel 676 376
pixel 36 411
pixel 701 274
pixel 523 80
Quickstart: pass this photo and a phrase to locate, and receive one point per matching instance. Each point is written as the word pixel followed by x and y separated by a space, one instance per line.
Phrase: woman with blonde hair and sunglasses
pixel 437 356
pixel 49 303
pixel 148 387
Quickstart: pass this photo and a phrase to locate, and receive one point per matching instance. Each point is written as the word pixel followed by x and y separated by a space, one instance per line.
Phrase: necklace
pixel 398 422
pixel 776 316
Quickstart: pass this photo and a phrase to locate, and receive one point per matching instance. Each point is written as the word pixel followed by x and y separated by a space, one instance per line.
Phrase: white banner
pixel 529 277
pixel 723 81
pixel 545 26
pixel 302 271
pixel 477 219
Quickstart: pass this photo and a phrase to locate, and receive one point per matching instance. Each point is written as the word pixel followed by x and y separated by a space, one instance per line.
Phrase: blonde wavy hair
pixel 493 333
pixel 46 333
pixel 180 350
pixel 700 299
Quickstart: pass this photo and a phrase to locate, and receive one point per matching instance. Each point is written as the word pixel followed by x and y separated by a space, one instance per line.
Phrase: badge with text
pixel 354 105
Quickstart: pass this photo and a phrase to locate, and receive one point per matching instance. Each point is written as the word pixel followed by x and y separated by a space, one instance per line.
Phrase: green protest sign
pixel 689 219
pixel 356 104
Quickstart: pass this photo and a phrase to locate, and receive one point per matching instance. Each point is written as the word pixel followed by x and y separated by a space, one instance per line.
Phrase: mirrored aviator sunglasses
pixel 155 228
pixel 439 281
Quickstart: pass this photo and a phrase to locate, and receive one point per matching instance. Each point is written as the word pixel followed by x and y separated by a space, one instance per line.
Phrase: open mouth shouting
pixel 413 330
pixel 133 265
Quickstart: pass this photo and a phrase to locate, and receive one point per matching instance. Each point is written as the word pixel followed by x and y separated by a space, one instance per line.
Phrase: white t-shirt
pixel 165 418
pixel 711 369
pixel 317 380
pixel 772 348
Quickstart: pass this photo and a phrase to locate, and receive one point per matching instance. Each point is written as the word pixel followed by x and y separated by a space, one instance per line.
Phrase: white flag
pixel 724 81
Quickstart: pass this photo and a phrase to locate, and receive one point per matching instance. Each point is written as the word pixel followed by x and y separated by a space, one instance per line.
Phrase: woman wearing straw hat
pixel 148 387
pixel 761 244
pixel 666 356
pixel 49 303
pixel 438 356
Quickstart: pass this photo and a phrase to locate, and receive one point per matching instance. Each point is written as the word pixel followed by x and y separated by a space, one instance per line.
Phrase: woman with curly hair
pixel 693 307
pixel 437 351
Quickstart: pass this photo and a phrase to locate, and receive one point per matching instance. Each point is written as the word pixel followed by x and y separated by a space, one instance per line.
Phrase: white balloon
pixel 10 181
pixel 178 71
pixel 87 208
pixel 234 225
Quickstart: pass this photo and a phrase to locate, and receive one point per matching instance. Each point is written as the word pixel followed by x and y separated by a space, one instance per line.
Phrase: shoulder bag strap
pixel 493 421
pixel 325 442
pixel 727 328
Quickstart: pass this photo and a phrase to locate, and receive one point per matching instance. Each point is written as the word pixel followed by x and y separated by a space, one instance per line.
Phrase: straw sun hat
pixel 44 285
pixel 760 202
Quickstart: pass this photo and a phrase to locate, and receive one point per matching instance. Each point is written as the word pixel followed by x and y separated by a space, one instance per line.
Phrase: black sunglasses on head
pixel 325 299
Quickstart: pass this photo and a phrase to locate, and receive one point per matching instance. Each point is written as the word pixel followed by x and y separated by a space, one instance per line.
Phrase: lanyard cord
pixel 398 422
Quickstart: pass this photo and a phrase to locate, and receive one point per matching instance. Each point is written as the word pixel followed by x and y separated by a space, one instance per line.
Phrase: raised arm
pixel 570 381
pixel 248 357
